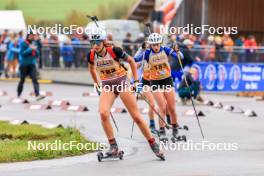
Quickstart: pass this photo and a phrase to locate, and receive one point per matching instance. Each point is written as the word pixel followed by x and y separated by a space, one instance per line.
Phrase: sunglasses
pixel 96 42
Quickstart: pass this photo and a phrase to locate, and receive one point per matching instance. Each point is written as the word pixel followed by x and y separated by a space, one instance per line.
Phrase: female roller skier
pixel 145 84
pixel 106 62
pixel 160 80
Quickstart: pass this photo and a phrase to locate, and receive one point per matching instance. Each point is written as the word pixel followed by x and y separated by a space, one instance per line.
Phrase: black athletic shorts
pixel 116 85
pixel 145 82
pixel 161 84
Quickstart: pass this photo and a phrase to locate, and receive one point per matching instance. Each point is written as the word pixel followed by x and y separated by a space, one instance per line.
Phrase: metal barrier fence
pixel 64 56
pixel 58 56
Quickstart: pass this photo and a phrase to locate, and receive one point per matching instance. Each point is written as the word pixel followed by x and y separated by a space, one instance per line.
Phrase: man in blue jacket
pixel 28 58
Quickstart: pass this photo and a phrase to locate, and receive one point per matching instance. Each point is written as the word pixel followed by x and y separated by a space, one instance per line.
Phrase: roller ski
pixel 162 136
pixel 40 97
pixel 184 127
pixel 156 149
pixel 112 153
pixel 176 137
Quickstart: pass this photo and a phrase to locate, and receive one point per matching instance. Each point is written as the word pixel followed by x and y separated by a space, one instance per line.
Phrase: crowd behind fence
pixel 75 55
pixel 71 52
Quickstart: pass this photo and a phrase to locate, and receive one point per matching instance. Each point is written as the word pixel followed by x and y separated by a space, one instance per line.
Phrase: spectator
pixel 55 51
pixel 85 51
pixel 76 43
pixel 219 48
pixel 210 50
pixel 109 37
pixel 12 58
pixel 228 44
pixel 186 51
pixel 250 44
pixel 3 49
pixel 67 52
pixel 38 43
pixel 240 52
pixel 20 37
pixel 29 54
pixel 127 44
pixel 46 52
pixel 139 41
pixel 172 40
pixel 240 41
pixel 191 88
pixel 196 47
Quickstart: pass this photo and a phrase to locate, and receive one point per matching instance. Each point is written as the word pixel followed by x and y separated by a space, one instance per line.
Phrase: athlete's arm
pixel 133 66
pixel 172 53
pixel 139 55
pixel 92 70
pixel 93 73
pixel 122 55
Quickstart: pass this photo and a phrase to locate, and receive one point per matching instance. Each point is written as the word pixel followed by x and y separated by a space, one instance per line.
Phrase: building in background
pixel 12 20
pixel 247 15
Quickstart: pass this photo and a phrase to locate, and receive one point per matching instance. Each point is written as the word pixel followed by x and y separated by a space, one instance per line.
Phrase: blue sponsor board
pixel 230 77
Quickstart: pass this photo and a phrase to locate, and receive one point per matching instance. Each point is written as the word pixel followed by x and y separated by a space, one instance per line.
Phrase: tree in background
pixel 12 5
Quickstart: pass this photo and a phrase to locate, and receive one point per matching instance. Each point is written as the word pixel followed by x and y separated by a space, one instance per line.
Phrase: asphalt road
pixel 220 126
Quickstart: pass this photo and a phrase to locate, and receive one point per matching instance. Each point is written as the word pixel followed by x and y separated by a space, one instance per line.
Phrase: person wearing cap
pixel 145 84
pixel 28 58
pixel 161 82
pixel 105 61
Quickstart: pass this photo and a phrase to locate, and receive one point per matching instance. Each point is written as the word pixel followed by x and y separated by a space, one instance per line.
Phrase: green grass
pixel 54 9
pixel 14 142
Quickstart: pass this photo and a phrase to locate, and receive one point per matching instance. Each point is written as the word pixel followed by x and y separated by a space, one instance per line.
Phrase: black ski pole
pixel 155 111
pixel 186 82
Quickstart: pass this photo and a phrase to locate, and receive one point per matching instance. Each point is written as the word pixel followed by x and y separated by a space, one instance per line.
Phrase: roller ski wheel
pixel 161 157
pixel 178 139
pixel 162 137
pixel 101 156
pixel 121 154
pixel 184 127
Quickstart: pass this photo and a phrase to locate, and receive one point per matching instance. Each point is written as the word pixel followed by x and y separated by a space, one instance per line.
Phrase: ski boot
pixel 113 150
pixel 176 137
pixel 153 130
pixel 156 149
pixel 162 136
